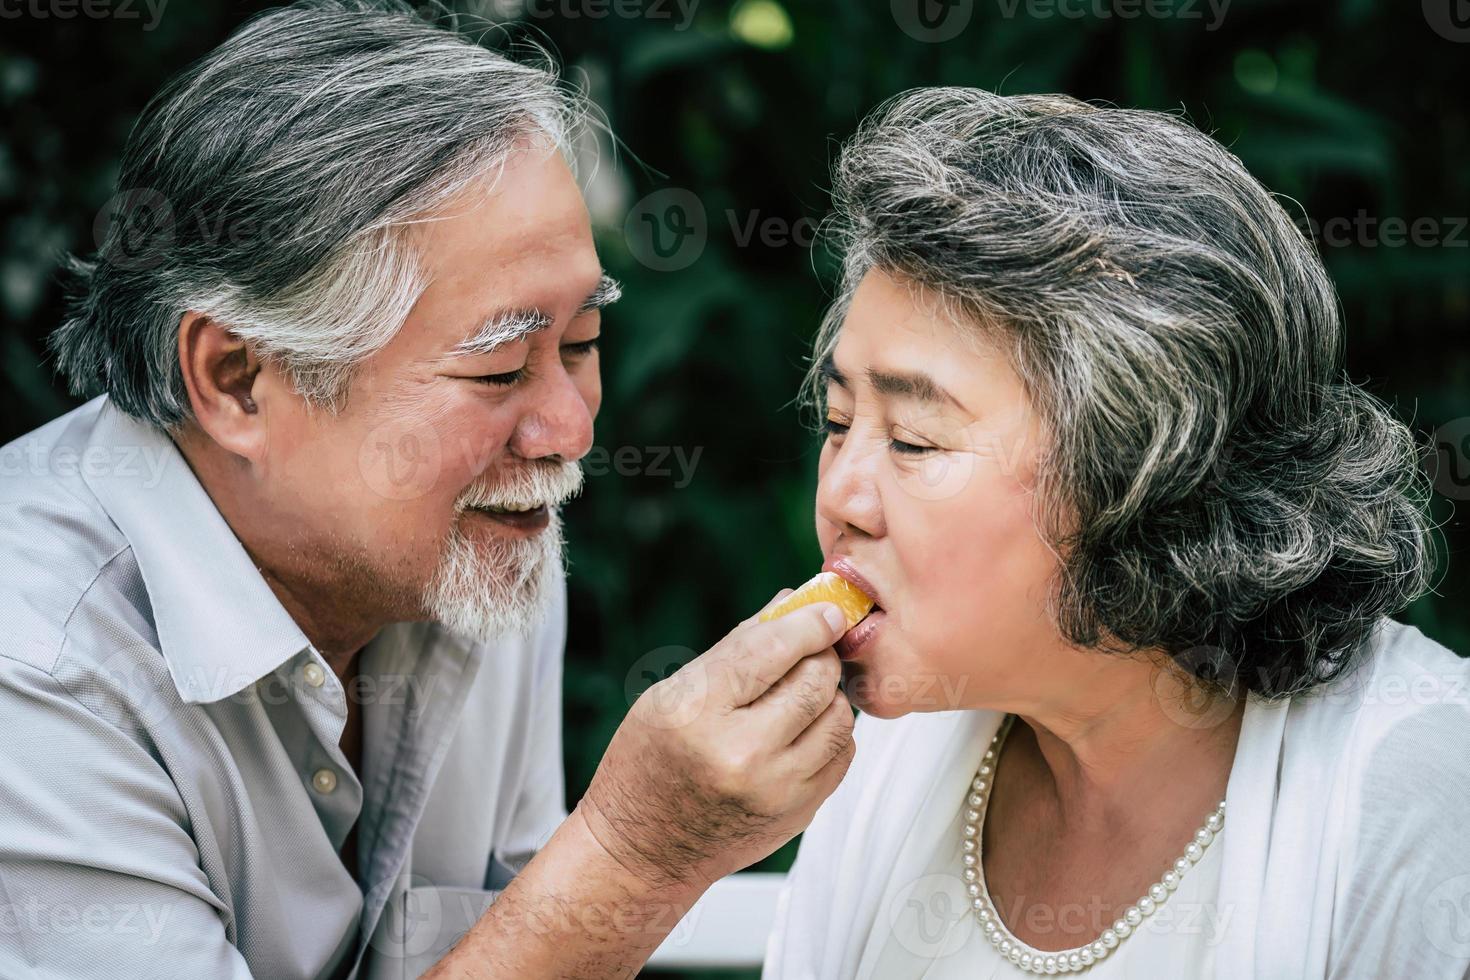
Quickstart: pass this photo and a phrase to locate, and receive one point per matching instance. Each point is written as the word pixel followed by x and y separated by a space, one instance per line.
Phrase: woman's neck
pixel 1125 739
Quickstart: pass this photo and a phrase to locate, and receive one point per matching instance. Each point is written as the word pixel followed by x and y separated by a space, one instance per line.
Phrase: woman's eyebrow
pixel 900 384
pixel 828 371
pixel 910 384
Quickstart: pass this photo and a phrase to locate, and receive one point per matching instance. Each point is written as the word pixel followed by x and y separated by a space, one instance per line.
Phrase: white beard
pixel 505 585
pixel 493 588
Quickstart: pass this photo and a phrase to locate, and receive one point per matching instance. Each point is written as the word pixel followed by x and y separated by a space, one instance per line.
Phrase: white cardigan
pixel 1346 846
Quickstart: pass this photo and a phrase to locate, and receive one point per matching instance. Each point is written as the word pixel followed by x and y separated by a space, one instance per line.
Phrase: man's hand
pixel 712 770
pixel 720 764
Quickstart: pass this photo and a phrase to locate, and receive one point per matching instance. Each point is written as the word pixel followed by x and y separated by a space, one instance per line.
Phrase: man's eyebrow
pixel 499 329
pixel 608 291
pixel 508 326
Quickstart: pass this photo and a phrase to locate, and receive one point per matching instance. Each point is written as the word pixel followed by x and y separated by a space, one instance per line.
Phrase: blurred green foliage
pixel 1354 109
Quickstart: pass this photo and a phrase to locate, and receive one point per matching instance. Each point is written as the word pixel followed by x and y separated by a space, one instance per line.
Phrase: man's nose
pixel 558 422
pixel 847 490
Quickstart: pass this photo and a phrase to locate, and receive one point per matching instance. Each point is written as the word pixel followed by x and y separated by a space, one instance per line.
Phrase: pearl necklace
pixel 1029 958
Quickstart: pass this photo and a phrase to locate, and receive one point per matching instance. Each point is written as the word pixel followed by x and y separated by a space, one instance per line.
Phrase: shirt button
pixel 314 674
pixel 324 780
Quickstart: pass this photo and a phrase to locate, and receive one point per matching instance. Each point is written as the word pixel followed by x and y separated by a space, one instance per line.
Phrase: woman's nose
pixel 847 488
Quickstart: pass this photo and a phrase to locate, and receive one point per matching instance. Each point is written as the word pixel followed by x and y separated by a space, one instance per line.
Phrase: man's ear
pixel 221 373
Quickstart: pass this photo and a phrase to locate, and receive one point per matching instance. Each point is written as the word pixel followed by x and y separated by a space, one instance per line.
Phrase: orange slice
pixel 825 587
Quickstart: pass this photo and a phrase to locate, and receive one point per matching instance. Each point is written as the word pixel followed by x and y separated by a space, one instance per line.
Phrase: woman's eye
pixel 501 380
pixel 833 427
pixel 908 448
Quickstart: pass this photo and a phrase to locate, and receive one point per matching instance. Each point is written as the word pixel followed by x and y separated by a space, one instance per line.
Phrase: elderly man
pixel 284 603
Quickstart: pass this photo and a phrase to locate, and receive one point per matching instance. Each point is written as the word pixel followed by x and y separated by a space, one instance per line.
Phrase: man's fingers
pixel 797 699
pixel 827 739
pixel 755 657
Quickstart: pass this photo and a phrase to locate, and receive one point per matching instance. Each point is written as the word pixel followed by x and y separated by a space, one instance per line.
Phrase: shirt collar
pixel 220 627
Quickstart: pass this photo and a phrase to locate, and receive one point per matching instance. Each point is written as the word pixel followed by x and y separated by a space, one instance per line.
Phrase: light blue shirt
pixel 172 795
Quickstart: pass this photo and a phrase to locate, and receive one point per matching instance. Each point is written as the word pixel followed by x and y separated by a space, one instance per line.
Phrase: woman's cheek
pixel 938 477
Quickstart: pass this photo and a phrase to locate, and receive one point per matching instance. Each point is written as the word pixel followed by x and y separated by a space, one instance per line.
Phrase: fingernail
pixel 834 618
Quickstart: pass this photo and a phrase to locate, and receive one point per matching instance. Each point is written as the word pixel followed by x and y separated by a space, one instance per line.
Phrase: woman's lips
pixel 843 567
pixel 855 639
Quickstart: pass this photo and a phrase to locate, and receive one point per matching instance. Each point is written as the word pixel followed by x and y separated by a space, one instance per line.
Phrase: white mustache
pixel 542 484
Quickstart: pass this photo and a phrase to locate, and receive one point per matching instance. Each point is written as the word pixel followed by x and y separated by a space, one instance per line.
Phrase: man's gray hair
pixel 1213 484
pixel 269 187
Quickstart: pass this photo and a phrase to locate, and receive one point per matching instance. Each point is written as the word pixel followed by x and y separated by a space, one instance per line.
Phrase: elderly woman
pixel 1133 705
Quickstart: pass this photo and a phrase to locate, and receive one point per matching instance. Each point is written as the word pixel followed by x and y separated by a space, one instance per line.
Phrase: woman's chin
pixel 867 691
pixel 887 679
pixel 885 712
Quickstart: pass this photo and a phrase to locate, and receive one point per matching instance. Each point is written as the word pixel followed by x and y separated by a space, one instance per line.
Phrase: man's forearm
pixel 572 912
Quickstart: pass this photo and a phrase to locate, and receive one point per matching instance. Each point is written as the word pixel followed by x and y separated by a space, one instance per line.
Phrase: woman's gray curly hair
pixel 1212 483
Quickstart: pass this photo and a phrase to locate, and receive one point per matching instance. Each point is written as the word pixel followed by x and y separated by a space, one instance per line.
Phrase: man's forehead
pixel 527 211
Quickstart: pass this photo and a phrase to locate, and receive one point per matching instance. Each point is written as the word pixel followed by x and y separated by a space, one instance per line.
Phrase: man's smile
pixel 524 521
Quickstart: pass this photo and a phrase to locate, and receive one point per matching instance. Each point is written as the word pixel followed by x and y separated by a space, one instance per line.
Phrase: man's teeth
pixel 512 508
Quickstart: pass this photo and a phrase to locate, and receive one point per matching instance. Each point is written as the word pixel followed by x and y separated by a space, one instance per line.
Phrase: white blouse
pixel 1344 852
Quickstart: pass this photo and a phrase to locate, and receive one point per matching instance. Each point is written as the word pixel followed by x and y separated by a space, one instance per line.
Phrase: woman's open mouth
pixel 526 521
pixel 851 642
